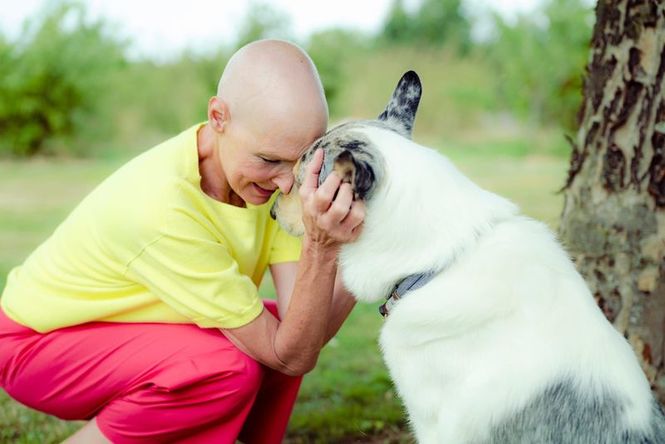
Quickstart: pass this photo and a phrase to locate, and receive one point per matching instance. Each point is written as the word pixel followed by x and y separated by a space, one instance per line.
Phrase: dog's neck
pixel 422 217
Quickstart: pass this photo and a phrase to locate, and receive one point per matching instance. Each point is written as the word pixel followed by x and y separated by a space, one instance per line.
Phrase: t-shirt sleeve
pixel 197 276
pixel 285 248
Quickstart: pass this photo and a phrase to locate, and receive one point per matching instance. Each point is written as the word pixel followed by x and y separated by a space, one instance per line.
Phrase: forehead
pixel 284 147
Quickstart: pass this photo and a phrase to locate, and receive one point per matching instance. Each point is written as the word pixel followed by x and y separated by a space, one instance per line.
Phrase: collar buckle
pixel 388 305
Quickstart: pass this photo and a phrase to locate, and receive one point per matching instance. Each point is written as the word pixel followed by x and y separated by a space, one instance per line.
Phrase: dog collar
pixel 409 283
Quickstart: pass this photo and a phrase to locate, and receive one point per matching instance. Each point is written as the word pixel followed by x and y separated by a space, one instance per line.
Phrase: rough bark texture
pixel 613 222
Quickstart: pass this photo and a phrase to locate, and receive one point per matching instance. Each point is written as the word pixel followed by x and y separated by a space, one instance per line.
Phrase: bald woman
pixel 141 312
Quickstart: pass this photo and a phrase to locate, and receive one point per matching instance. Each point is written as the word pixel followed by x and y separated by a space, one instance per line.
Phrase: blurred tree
pixel 331 51
pixel 398 26
pixel 53 78
pixel 263 21
pixel 434 23
pixel 442 21
pixel 613 221
pixel 540 61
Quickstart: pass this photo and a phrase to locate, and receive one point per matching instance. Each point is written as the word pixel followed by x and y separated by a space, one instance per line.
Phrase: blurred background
pixel 86 85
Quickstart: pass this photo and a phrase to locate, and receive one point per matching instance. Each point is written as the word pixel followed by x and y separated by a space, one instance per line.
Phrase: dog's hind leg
pixel 566 414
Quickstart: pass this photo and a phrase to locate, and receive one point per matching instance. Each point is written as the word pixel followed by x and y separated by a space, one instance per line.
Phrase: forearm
pixel 303 330
pixel 342 304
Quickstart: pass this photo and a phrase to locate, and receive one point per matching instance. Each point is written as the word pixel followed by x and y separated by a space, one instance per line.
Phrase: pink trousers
pixel 148 383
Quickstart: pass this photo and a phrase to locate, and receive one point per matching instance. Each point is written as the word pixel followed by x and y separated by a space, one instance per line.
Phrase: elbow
pixel 299 368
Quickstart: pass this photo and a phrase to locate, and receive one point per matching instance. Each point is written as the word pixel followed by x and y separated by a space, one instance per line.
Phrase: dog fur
pixel 505 344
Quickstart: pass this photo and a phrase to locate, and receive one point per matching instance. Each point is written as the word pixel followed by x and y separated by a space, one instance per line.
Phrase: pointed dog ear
pixel 401 110
pixel 359 173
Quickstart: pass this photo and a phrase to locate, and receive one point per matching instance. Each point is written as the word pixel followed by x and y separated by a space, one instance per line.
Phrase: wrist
pixel 325 250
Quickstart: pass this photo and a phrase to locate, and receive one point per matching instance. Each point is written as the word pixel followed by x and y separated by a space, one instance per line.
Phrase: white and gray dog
pixel 491 335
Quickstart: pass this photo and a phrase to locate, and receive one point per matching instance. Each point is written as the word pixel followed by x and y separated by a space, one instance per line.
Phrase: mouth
pixel 262 191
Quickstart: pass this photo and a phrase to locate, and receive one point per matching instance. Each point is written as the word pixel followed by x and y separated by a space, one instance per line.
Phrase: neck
pixel 213 179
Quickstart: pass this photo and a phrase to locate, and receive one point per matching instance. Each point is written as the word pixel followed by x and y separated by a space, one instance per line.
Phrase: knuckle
pixel 346 188
pixel 333 178
pixel 322 200
pixel 303 192
pixel 336 214
pixel 356 216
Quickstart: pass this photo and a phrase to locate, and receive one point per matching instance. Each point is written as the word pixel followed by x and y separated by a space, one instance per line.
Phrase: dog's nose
pixel 272 211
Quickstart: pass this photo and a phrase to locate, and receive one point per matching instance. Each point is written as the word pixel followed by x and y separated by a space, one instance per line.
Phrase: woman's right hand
pixel 330 220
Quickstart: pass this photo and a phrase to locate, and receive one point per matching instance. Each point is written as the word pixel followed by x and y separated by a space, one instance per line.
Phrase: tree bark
pixel 613 221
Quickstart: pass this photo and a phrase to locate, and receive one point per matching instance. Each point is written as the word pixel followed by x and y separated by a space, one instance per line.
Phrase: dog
pixel 491 335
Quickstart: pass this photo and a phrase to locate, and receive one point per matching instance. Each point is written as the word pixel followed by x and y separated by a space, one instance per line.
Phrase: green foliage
pixel 163 99
pixel 458 94
pixel 65 86
pixel 52 80
pixel 540 62
pixel 434 23
pixel 330 50
pixel 263 21
pixel 398 26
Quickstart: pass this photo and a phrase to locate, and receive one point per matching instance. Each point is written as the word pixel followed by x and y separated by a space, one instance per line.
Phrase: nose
pixel 284 182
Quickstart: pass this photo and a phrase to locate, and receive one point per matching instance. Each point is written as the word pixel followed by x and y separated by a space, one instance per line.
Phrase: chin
pixel 252 197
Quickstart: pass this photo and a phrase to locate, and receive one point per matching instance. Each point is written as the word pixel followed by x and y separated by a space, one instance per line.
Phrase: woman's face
pixel 257 163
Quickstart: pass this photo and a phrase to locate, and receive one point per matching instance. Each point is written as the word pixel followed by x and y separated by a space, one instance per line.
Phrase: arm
pixel 292 346
pixel 284 277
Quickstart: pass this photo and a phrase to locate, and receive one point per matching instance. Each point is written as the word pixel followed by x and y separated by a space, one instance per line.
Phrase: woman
pixel 141 312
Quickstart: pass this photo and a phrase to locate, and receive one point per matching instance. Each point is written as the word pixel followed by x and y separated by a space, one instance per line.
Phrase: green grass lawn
pixel 349 396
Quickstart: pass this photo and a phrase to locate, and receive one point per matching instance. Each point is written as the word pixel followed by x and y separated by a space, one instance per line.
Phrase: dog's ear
pixel 401 110
pixel 356 171
pixel 353 167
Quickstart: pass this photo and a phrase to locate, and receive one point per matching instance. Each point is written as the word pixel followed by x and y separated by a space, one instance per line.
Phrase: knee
pixel 234 376
pixel 215 376
pixel 202 397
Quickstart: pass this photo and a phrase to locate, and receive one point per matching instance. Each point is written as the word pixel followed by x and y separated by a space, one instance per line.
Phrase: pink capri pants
pixel 148 383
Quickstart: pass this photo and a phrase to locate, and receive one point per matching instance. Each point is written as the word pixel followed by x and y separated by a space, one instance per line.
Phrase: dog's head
pixel 351 154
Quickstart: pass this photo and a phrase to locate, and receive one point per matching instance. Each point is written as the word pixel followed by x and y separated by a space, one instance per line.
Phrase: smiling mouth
pixel 263 191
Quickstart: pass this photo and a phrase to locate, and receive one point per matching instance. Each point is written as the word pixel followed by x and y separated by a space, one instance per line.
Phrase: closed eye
pixel 265 159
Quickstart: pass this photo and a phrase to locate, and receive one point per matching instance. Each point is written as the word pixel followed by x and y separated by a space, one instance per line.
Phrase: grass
pixel 349 396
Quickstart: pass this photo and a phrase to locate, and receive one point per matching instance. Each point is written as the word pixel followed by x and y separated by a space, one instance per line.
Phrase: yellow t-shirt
pixel 147 245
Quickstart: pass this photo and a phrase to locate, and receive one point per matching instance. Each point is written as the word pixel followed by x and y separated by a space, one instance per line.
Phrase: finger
pixel 345 229
pixel 355 216
pixel 355 233
pixel 325 194
pixel 341 206
pixel 311 179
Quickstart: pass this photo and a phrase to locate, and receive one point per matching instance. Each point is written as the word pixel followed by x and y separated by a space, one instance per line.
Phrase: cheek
pixel 257 172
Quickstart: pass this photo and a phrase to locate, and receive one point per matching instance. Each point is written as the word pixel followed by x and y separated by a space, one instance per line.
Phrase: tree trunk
pixel 613 221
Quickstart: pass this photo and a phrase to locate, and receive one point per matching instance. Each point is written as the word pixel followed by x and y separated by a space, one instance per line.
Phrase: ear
pixel 218 114
pixel 352 169
pixel 401 110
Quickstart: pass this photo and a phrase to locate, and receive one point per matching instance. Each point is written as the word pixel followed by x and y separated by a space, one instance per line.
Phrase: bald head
pixel 272 84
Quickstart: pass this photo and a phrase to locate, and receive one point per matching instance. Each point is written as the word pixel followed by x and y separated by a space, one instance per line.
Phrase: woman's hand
pixel 329 220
